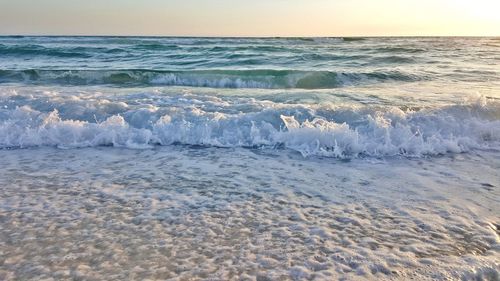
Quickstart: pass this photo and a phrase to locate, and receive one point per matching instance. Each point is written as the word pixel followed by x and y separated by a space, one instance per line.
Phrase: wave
pixel 38 50
pixel 155 47
pixel 341 131
pixel 262 78
pixel 396 49
pixel 303 39
pixel 353 39
pixel 13 36
pixel 393 59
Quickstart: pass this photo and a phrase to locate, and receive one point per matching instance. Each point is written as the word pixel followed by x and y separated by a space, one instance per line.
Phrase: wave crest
pixel 261 78
pixel 369 131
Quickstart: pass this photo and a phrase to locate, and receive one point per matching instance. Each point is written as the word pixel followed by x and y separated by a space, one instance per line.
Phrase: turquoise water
pixel 309 63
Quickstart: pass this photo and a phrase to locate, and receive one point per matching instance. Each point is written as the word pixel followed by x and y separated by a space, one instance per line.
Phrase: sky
pixel 251 17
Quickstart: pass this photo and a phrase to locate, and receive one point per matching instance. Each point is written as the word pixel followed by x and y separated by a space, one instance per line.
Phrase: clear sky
pixel 251 17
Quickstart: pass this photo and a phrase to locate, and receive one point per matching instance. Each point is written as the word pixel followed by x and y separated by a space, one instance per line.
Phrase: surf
pixel 214 78
pixel 338 131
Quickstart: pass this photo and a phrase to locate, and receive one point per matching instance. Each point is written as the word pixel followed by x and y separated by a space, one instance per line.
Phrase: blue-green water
pixel 330 96
pixel 310 63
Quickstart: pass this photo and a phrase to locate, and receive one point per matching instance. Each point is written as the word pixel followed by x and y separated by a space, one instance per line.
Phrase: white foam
pixel 212 81
pixel 189 213
pixel 339 131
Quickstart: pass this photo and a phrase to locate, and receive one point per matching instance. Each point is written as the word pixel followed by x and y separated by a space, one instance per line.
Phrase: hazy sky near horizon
pixel 250 17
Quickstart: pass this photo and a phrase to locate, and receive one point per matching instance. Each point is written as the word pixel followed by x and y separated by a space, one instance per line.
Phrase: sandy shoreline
pixel 218 214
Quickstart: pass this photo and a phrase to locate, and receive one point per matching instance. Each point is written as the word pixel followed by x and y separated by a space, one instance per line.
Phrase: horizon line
pixel 243 37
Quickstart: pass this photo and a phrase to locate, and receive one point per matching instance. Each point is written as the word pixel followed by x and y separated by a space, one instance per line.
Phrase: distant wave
pixel 38 50
pixel 342 131
pixel 155 47
pixel 353 39
pixel 14 36
pixel 393 60
pixel 263 78
pixel 396 49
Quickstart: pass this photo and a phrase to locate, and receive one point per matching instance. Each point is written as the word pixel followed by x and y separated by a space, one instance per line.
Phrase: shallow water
pixel 249 158
pixel 210 213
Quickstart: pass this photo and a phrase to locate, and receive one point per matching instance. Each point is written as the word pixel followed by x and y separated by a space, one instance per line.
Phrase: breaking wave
pixel 266 79
pixel 334 131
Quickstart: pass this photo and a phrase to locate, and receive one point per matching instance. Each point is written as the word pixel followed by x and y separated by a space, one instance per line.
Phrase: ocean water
pixel 249 158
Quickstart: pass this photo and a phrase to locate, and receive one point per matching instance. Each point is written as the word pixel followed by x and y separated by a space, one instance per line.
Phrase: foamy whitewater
pixel 249 158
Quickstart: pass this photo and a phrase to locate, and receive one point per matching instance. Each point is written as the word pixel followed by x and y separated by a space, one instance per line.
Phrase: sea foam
pixel 338 131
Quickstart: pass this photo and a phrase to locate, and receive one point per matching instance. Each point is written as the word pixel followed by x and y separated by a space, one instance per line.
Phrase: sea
pixel 187 158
